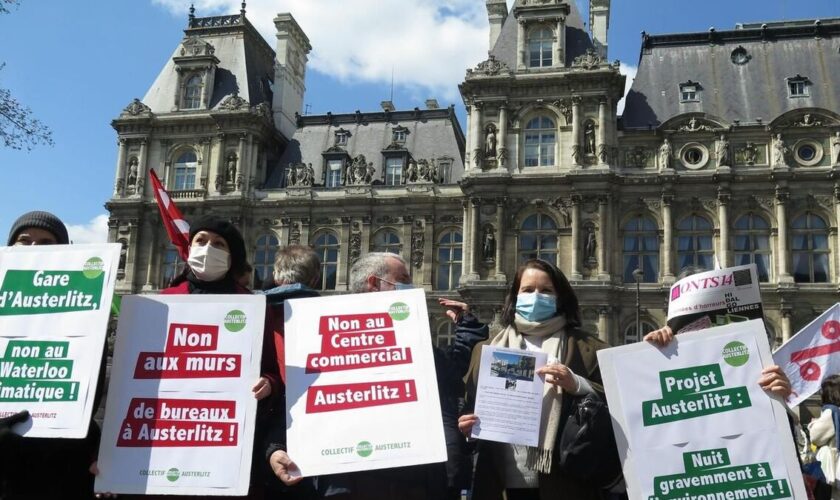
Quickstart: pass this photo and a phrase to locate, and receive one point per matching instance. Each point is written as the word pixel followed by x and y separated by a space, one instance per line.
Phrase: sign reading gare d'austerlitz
pixel 361 384
pixel 54 307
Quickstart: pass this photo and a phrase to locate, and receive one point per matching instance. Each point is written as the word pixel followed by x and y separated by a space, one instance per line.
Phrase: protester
pixel 379 271
pixel 541 313
pixel 824 433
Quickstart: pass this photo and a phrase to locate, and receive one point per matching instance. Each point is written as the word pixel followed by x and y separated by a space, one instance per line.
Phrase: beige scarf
pixel 552 332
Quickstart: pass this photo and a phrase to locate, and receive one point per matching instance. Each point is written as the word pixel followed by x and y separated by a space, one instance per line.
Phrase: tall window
pixel 694 243
pixel 192 93
pixel 326 246
pixel 264 258
pixel 641 249
pixel 539 48
pixel 538 238
pixel 751 244
pixel 393 171
pixel 172 265
pixel 449 260
pixel 444 171
pixel 333 178
pixel 540 138
pixel 386 241
pixel 630 334
pixel 185 171
pixel 445 334
pixel 810 249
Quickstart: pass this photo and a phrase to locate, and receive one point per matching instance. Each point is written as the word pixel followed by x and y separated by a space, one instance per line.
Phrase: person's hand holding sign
pixel 466 423
pixel 283 468
pixel 559 374
pixel 262 389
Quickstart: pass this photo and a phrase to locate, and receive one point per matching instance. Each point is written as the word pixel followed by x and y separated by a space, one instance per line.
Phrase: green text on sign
pixel 48 292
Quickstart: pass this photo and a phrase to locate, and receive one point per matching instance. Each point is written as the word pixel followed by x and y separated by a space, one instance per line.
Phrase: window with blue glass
pixel 538 238
pixel 751 243
pixel 540 141
pixel 695 243
pixel 809 248
pixel 641 249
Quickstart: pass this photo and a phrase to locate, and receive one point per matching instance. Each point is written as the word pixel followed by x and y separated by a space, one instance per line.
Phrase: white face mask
pixel 208 263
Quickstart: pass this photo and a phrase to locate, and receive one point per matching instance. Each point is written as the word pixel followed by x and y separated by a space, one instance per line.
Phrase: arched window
pixel 445 334
pixel 192 93
pixel 694 243
pixel 264 258
pixel 810 249
pixel 751 243
pixel 172 265
pixel 539 48
pixel 386 241
pixel 185 168
pixel 540 138
pixel 326 246
pixel 538 238
pixel 630 335
pixel 641 249
pixel 449 260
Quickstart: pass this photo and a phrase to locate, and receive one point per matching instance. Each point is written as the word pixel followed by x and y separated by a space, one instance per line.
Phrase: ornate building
pixel 728 150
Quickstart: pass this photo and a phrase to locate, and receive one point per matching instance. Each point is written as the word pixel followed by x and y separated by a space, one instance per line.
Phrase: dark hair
pixel 567 301
pixel 830 390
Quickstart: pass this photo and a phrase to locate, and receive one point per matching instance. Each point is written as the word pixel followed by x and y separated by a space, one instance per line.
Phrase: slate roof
pixel 730 91
pixel 246 63
pixel 432 134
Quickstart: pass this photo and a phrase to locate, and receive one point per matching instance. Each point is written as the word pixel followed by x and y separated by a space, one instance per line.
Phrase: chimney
pixel 599 24
pixel 387 106
pixel 497 12
pixel 432 104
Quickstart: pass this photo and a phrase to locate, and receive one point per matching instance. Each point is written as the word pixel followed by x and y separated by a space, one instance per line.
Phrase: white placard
pixel 684 403
pixel 361 385
pixel 54 307
pixel 180 414
pixel 509 396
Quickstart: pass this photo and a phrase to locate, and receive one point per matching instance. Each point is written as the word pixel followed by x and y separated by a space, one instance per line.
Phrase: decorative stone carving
pixel 195 46
pixel 562 208
pixel 294 234
pixel 359 172
pixel 835 147
pixel 490 141
pixel 694 125
pixel 488 246
pixel 131 178
pixel 603 153
pixel 502 157
pixel 665 155
pixel 355 246
pixel 451 219
pixel 220 180
pixel 636 157
pixel 489 67
pixel 565 107
pixel 233 103
pixel 722 151
pixel 589 60
pixel 590 247
pixel 263 109
pixel 576 157
pixel 417 241
pixel 780 152
pixel 589 138
pixel 300 175
pixel 230 168
pixel 748 155
pixel 136 107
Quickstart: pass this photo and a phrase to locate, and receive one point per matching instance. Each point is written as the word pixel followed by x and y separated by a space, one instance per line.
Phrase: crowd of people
pixel 540 314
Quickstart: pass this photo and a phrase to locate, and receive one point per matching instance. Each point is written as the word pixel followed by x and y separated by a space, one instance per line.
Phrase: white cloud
pixel 95 231
pixel 428 44
pixel 630 72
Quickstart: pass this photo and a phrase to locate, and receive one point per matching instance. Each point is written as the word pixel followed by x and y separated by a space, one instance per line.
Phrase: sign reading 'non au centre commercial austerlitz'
pixel 54 307
pixel 361 386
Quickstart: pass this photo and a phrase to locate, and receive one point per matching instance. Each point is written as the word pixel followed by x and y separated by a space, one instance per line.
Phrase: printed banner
pixel 361 389
pixel 54 306
pixel 692 422
pixel 180 414
pixel 810 355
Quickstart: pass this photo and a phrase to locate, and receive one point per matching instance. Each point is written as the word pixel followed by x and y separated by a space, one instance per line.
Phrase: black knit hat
pixel 41 220
pixel 231 235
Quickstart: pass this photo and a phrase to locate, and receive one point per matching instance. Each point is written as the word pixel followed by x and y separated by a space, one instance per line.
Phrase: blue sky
pixel 78 64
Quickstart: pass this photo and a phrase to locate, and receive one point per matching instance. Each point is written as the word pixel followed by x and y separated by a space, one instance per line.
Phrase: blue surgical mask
pixel 398 285
pixel 535 306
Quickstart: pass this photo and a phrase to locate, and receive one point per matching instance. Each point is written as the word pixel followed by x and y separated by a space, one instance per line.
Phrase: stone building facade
pixel 728 151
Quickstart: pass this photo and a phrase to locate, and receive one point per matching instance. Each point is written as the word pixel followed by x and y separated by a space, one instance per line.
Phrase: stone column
pixel 240 153
pixel 475 236
pixel 119 181
pixel 465 243
pixel 205 163
pixel 786 328
pixel 151 223
pixel 576 153
pixel 782 196
pixel 343 266
pixel 603 232
pixel 521 60
pixel 723 222
pixel 668 237
pixel 575 267
pixel 559 61
pixel 837 217
pixel 500 239
pixel 601 148
pixel 141 166
pixel 220 158
pixel 603 324
pixel 475 134
pixel 501 147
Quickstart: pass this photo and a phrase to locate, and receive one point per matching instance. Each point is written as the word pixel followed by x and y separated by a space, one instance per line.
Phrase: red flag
pixel 176 227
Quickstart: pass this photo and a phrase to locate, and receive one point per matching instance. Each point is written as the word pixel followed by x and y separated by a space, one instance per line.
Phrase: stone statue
pixel 123 253
pixel 665 153
pixel 780 151
pixel 292 180
pixel 219 181
pixel 433 171
pixel 422 170
pixel 590 247
pixel 722 150
pixel 132 173
pixel 411 172
pixel 490 142
pixel 589 139
pixel 369 171
pixel 835 146
pixel 488 249
pixel 230 170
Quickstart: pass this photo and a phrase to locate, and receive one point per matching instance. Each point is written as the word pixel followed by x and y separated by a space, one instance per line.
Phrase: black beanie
pixel 231 235
pixel 41 220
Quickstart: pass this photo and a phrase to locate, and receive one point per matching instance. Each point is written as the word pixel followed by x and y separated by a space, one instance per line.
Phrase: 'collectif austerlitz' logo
pixel 173 474
pixel 235 321
pixel 736 353
pixel 399 311
pixel 93 268
pixel 364 449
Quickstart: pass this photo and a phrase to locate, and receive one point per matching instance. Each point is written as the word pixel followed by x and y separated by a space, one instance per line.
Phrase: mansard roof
pixel 742 75
pixel 245 62
pixel 430 134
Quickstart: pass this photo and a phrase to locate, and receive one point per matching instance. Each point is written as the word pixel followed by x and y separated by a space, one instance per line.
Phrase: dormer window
pixel 540 48
pixel 399 135
pixel 341 137
pixel 192 93
pixel 690 92
pixel 798 86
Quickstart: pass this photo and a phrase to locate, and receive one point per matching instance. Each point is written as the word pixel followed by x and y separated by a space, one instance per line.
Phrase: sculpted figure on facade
pixel 722 150
pixel 590 247
pixel 835 147
pixel 410 172
pixel 131 181
pixel 780 151
pixel 665 153
pixel 488 248
pixel 423 170
pixel 230 168
pixel 360 171
pixel 589 139
pixel 490 141
pixel 292 176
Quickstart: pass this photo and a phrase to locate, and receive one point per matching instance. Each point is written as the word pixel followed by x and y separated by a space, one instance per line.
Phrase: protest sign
pixel 715 298
pixel 509 396
pixel 361 389
pixel 691 419
pixel 54 307
pixel 180 415
pixel 809 356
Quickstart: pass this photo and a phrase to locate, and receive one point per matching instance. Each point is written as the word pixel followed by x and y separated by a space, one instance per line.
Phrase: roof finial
pixel 242 10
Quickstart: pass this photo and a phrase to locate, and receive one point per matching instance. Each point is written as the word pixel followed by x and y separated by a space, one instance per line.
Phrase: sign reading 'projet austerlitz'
pixel 361 386
pixel 180 415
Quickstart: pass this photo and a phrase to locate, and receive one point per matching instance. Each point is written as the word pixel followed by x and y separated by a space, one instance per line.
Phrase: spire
pixel 191 16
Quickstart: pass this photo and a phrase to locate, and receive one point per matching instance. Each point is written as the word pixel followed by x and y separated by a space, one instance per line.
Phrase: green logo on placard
pixel 93 268
pixel 736 353
pixel 235 321
pixel 173 474
pixel 399 311
pixel 364 449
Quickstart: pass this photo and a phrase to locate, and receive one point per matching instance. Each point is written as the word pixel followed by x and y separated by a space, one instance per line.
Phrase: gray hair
pixel 370 264
pixel 296 264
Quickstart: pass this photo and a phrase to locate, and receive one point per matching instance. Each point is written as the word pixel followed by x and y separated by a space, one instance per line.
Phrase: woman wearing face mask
pixel 541 313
